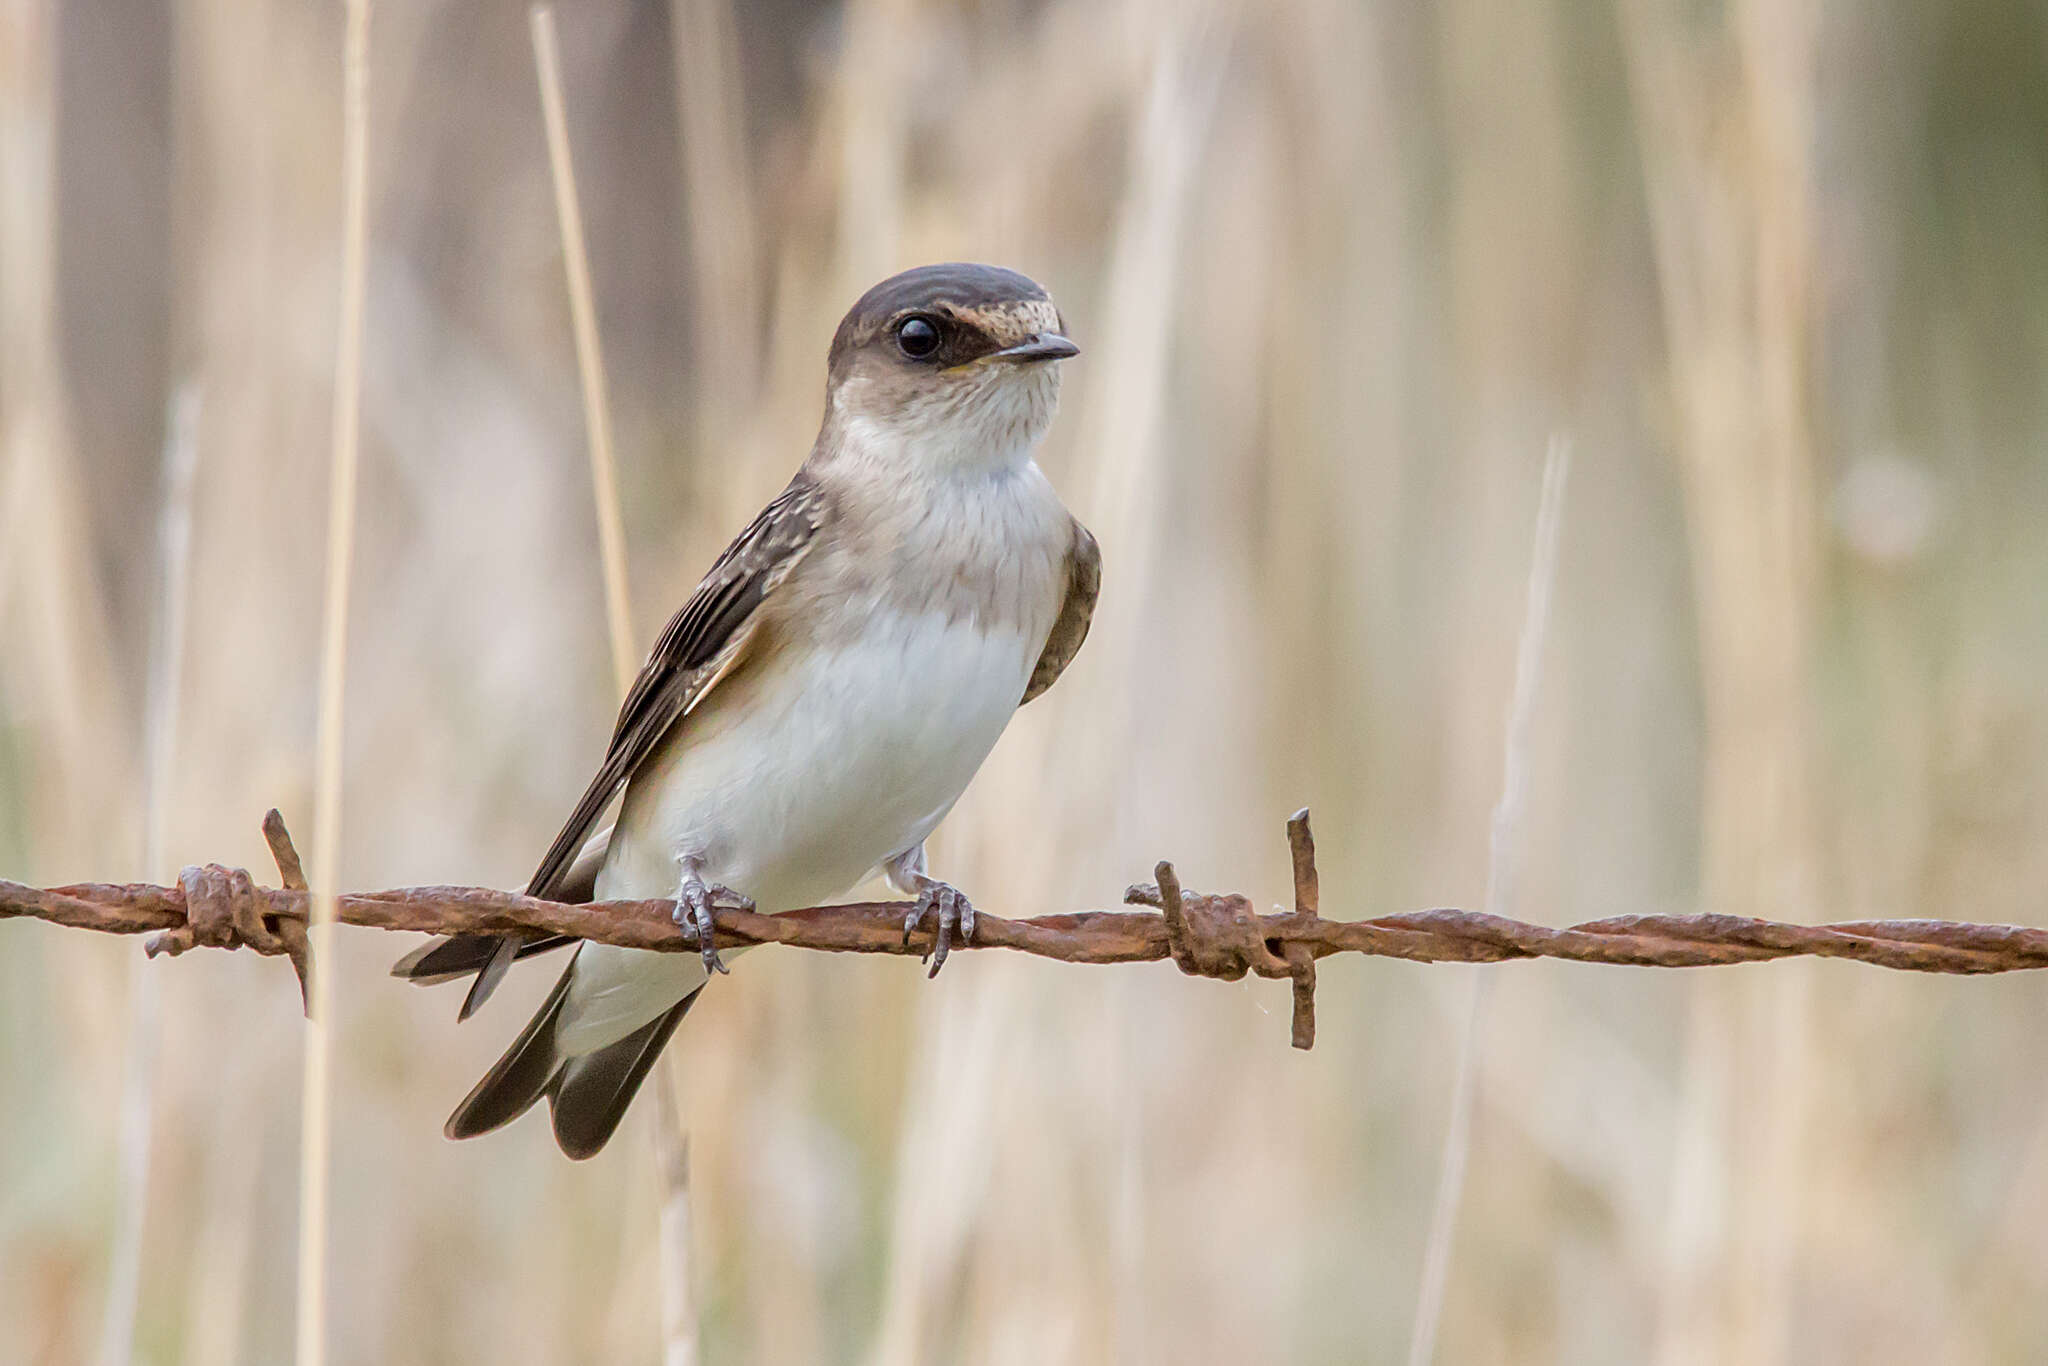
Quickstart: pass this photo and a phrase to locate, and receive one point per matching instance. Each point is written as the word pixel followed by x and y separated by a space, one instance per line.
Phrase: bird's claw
pixel 695 902
pixel 953 911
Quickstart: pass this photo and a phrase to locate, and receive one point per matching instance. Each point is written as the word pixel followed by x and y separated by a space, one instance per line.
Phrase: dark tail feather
pixel 503 956
pixel 520 1078
pixel 590 1095
pixel 490 956
pixel 458 955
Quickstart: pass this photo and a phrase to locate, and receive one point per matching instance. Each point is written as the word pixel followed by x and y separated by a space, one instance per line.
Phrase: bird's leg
pixel 954 911
pixel 694 899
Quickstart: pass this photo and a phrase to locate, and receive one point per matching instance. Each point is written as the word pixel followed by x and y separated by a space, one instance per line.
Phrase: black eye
pixel 918 337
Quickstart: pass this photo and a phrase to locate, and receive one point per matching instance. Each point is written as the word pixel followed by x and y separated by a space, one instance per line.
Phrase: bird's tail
pixel 459 955
pixel 587 1093
pixel 490 956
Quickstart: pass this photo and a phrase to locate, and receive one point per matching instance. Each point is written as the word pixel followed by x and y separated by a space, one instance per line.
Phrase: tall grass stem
pixel 324 874
pixel 160 730
pixel 611 534
pixel 1502 863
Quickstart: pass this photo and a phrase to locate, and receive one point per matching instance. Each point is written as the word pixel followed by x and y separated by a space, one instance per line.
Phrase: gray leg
pixel 694 901
pixel 952 909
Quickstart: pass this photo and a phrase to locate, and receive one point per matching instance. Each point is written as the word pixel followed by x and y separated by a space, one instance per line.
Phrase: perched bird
pixel 824 697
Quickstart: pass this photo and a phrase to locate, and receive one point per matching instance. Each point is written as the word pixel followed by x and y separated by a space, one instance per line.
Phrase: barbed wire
pixel 1219 935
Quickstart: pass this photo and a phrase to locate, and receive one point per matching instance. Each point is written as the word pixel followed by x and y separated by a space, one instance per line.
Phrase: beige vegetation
pixel 1340 271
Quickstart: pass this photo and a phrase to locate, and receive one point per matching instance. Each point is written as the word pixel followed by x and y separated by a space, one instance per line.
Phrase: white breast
pixel 792 785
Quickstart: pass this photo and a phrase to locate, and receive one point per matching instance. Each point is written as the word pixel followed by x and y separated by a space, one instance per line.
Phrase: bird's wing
pixel 701 645
pixel 1084 581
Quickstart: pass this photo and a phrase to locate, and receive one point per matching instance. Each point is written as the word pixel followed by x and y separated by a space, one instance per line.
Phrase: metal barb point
pixel 1301 957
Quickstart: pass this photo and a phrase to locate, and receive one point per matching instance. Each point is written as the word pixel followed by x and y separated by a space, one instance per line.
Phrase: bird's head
pixel 947 366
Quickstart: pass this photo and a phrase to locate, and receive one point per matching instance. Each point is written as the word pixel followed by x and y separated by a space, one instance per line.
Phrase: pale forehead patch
pixel 1014 320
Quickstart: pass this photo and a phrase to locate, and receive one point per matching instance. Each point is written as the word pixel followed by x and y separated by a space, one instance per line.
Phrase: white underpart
pixel 793 787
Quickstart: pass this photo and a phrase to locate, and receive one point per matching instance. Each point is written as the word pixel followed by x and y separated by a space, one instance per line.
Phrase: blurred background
pixel 1776 270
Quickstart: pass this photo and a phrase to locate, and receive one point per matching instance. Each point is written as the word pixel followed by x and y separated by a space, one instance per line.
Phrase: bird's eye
pixel 918 337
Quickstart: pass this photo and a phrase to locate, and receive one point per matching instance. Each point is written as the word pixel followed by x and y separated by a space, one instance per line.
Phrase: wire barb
pixel 1222 937
pixel 291 873
pixel 1308 896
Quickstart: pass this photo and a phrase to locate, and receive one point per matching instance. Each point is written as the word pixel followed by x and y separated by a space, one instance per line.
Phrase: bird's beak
pixel 1039 346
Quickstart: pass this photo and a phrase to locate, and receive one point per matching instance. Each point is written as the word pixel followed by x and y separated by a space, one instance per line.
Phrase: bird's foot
pixel 954 912
pixel 695 901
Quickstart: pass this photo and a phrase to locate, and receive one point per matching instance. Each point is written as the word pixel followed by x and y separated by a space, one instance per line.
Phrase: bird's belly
pixel 793 785
pixel 791 781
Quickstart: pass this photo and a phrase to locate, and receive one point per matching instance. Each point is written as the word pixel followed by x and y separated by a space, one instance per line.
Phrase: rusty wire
pixel 1210 935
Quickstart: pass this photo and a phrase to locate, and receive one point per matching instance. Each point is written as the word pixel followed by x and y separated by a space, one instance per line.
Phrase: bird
pixel 822 700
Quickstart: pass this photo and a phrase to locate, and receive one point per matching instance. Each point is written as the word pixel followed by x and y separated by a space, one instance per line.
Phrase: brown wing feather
pixel 700 645
pixel 1084 582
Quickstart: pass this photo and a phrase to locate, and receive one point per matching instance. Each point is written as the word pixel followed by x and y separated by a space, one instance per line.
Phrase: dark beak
pixel 1043 346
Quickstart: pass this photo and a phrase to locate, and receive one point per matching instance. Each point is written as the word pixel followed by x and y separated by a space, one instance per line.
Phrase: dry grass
pixel 316 1134
pixel 597 419
pixel 160 735
pixel 1337 271
pixel 1504 854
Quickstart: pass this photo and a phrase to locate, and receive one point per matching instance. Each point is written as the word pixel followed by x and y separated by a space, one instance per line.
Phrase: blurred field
pixel 1780 273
